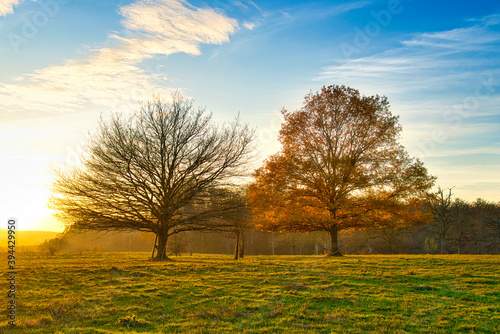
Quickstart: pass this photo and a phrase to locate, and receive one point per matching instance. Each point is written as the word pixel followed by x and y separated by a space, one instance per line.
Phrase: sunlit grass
pixel 124 292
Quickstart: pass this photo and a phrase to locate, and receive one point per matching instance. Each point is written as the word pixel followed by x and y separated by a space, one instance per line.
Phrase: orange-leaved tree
pixel 340 167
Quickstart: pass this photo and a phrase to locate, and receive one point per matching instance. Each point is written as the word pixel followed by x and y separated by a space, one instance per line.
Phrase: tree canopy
pixel 158 170
pixel 340 167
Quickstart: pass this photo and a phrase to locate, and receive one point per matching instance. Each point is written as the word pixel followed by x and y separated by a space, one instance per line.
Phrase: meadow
pixel 126 293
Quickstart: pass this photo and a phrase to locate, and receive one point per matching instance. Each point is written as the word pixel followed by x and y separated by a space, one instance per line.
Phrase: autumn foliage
pixel 340 167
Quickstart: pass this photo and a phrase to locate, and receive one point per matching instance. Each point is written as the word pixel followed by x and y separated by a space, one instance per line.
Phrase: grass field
pixel 126 293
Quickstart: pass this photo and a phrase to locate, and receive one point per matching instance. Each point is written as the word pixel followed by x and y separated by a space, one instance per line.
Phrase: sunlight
pixel 26 198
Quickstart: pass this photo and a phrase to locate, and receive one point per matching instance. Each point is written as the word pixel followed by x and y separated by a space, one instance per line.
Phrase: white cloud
pixel 113 75
pixel 166 25
pixel 249 25
pixel 7 6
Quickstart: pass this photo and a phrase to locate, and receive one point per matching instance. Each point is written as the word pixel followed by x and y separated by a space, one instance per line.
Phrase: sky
pixel 64 63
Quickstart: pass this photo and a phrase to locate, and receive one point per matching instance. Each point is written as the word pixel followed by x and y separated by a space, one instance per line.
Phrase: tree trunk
pixel 161 247
pixel 334 246
pixel 237 247
pixel 443 246
pixel 251 242
pixel 272 242
pixel 242 245
pixel 190 244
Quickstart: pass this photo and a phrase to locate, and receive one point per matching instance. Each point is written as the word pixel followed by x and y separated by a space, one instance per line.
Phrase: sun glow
pixel 30 155
pixel 25 198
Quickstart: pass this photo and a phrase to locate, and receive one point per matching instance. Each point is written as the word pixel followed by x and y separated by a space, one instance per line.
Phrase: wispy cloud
pixel 308 12
pixel 298 13
pixel 469 181
pixel 493 19
pixel 489 150
pixel 246 4
pixel 461 39
pixel 321 12
pixel 107 77
pixel 113 74
pixel 426 62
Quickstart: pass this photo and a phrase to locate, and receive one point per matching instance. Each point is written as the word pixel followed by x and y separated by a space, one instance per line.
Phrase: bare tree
pixel 488 213
pixel 155 171
pixel 440 204
pixel 463 218
pixel 391 237
pixel 235 220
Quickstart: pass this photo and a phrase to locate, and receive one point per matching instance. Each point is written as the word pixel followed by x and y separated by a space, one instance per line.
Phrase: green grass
pixel 126 293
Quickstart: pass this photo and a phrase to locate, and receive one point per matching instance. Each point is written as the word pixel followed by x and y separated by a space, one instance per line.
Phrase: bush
pixel 430 246
pixel 53 246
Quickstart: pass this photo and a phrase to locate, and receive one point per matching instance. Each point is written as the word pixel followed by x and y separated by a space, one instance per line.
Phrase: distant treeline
pixel 460 227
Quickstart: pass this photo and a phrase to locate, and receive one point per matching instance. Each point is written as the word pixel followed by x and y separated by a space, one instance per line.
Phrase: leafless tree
pixel 236 220
pixel 440 204
pixel 391 237
pixel 463 221
pixel 155 171
pixel 488 213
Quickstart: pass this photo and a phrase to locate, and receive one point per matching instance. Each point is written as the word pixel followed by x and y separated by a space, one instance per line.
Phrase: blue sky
pixel 64 62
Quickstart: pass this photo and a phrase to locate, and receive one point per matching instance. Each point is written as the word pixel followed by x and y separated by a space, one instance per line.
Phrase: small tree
pixel 341 167
pixel 154 171
pixel 430 246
